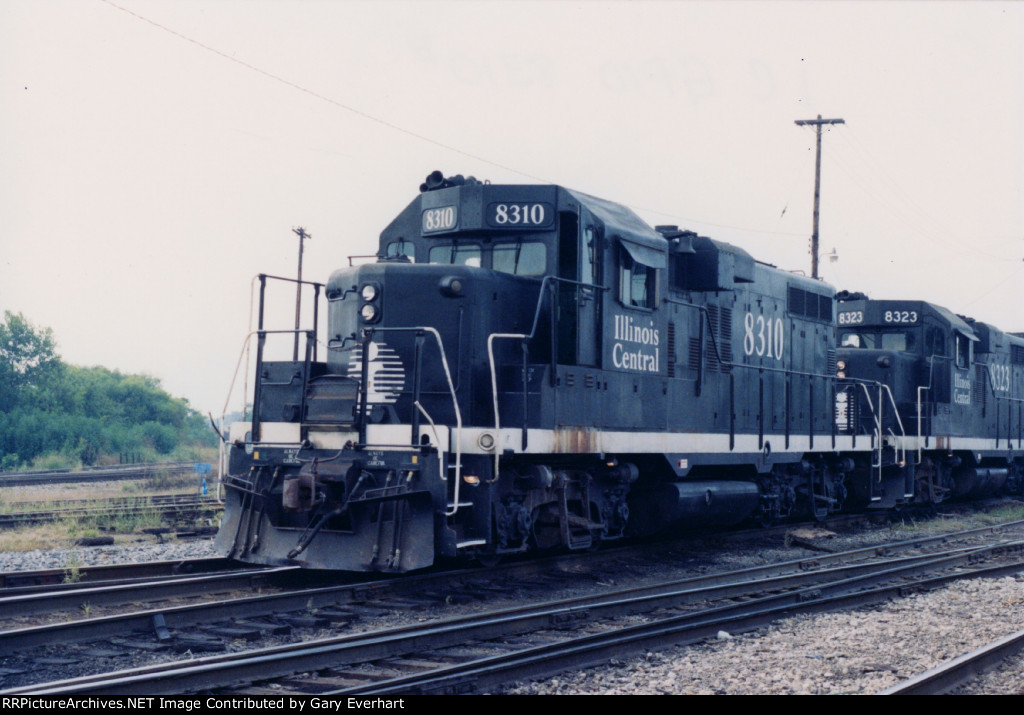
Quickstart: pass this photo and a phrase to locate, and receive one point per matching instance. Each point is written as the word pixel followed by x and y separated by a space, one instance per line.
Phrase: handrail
pixel 455 402
pixel 546 282
pixel 877 431
pixel 920 440
pixel 895 410
pixel 494 394
pixel 246 343
pixel 743 366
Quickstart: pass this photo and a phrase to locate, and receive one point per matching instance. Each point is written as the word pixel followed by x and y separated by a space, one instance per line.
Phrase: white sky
pixel 156 155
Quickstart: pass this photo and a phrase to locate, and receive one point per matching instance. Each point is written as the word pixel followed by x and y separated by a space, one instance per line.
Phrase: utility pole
pixel 301 233
pixel 817 185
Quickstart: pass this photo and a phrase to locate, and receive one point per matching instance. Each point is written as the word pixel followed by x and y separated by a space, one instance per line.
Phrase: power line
pixel 401 129
pixel 341 105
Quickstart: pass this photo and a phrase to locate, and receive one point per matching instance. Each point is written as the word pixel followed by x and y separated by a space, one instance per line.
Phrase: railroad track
pixel 43 580
pixel 447 669
pixel 962 670
pixel 169 507
pixel 96 474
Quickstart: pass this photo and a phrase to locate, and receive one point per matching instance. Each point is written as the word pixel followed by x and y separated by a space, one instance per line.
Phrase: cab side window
pixel 963 352
pixel 636 282
pixel 935 342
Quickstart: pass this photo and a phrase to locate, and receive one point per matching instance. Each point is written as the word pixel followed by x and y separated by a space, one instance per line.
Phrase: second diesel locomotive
pixel 530 367
pixel 957 386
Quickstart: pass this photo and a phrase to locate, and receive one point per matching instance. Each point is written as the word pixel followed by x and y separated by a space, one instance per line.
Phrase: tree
pixel 28 358
pixel 83 414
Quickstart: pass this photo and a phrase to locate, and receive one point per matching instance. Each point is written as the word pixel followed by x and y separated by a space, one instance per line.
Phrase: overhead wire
pixel 929 234
pixel 476 157
pixel 399 128
pixel 317 95
pixel 923 217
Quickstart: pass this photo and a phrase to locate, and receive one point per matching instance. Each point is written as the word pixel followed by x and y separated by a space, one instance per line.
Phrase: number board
pixel 518 214
pixel 443 218
pixel 900 316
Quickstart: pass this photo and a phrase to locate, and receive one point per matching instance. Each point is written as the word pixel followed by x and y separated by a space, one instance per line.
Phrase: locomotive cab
pixel 920 352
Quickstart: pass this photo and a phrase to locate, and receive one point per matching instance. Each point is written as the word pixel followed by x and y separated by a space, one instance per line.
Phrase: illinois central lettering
pixel 961 390
pixel 637 347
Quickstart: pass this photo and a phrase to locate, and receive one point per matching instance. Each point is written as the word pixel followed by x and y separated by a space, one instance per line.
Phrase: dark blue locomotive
pixel 942 392
pixel 529 367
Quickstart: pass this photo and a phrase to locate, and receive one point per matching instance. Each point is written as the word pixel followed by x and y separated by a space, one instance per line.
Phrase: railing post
pixel 364 379
pixel 316 316
pixel 263 291
pixel 526 390
pixel 306 366
pixel 417 363
pixel 261 339
pixel 760 409
pixel 810 411
pixel 554 333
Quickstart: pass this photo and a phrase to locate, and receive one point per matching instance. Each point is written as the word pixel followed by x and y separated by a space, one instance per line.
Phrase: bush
pixel 66 416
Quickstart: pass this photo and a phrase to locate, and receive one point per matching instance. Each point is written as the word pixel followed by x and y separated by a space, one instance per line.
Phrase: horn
pixel 435 180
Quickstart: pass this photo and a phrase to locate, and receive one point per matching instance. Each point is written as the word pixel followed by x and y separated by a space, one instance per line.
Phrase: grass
pixel 911 527
pixel 17 498
pixel 72 569
pixel 1010 512
pixel 124 526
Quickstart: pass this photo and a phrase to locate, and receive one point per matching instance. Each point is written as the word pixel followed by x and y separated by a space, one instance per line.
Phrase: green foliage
pixel 54 415
pixel 28 359
pixel 72 569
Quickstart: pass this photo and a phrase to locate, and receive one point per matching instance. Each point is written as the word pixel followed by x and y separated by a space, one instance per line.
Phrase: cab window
pixel 903 342
pixel 400 249
pixel 899 340
pixel 857 340
pixel 456 253
pixel 520 258
pixel 935 341
pixel 963 351
pixel 636 282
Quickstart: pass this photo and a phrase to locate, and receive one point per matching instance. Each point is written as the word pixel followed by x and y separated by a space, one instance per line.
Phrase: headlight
pixel 368 313
pixel 841 364
pixel 840 374
pixel 369 292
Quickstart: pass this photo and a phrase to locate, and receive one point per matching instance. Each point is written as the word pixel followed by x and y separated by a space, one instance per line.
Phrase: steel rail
pixel 596 649
pixel 168 509
pixel 23 582
pixel 34 603
pixel 221 671
pixel 363 591
pixel 961 669
pixel 97 474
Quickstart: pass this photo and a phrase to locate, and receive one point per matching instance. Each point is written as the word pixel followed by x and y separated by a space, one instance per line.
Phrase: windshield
pixel 464 254
pixel 519 258
pixel 901 340
pixel 401 249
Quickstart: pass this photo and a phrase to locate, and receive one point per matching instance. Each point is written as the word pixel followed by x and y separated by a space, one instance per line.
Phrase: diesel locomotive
pixel 527 367
pixel 956 384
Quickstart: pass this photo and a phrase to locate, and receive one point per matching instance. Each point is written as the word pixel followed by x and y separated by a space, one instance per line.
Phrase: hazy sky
pixel 156 155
